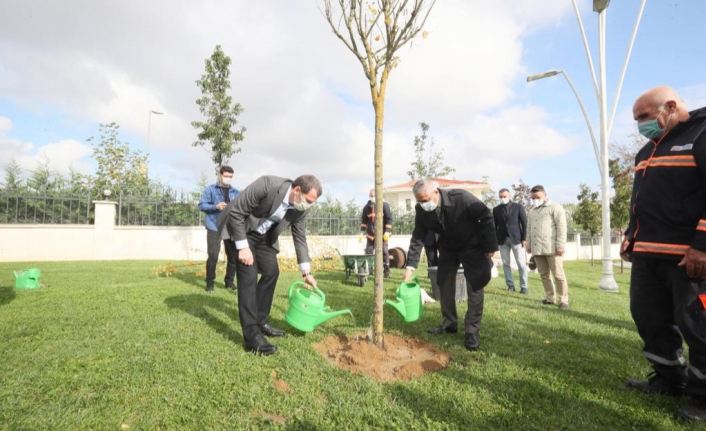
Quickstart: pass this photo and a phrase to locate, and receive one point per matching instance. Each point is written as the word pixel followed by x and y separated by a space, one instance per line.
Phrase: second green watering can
pixel 306 308
pixel 409 301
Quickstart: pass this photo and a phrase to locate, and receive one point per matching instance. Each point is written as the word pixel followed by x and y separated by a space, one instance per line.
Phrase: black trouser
pixel 255 296
pixel 213 247
pixel 370 249
pixel 667 305
pixel 476 269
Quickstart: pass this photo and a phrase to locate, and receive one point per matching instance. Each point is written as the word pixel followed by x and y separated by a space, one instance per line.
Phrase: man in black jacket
pixel 511 230
pixel 367 227
pixel 466 236
pixel 666 242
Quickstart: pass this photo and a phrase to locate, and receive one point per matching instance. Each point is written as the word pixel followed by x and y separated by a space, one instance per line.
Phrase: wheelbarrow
pixel 358 265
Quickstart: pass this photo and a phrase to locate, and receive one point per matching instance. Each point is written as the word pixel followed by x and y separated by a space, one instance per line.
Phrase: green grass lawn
pixel 109 345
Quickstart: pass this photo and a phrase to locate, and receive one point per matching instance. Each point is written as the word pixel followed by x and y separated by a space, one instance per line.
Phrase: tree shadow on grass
pixel 201 306
pixel 190 278
pixel 7 294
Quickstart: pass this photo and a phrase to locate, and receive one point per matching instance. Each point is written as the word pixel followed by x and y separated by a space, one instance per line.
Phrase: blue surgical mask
pixel 651 129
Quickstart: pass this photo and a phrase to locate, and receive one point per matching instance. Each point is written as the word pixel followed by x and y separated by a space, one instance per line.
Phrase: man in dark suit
pixel 466 235
pixel 254 221
pixel 511 229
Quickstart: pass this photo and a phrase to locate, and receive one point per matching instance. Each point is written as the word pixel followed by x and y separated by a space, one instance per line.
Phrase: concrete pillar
pixel 104 229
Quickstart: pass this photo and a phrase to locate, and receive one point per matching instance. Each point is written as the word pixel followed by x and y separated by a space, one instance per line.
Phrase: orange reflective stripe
pixel 703 300
pixel 702 225
pixel 655 247
pixel 679 161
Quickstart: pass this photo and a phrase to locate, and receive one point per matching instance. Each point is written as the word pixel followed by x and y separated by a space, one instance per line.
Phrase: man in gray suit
pixel 254 221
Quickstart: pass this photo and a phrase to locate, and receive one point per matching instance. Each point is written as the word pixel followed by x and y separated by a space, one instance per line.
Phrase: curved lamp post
pixel 607 282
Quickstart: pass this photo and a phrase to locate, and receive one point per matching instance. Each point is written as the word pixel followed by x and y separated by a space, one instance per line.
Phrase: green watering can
pixel 27 279
pixel 306 308
pixel 409 301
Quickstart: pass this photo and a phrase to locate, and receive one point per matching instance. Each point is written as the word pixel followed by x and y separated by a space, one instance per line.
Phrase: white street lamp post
pixel 149 128
pixel 607 282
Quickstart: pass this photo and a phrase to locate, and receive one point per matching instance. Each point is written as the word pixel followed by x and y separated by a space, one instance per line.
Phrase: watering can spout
pixel 399 306
pixel 330 315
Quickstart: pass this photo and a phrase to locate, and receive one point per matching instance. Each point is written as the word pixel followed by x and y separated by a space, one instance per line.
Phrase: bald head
pixel 662 103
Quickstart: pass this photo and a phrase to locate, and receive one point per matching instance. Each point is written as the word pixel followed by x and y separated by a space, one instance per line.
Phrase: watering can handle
pixel 291 288
pixel 315 290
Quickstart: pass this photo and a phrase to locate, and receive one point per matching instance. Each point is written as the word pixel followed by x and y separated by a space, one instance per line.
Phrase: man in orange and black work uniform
pixel 367 227
pixel 666 243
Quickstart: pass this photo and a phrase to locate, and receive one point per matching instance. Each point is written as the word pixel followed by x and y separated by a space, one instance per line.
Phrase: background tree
pixel 521 194
pixel 13 176
pixel 489 198
pixel 588 213
pixel 621 171
pixel 118 166
pixel 427 163
pixel 219 109
pixel 374 31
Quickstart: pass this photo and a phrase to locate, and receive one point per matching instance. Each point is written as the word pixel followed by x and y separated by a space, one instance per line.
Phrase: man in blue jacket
pixel 213 200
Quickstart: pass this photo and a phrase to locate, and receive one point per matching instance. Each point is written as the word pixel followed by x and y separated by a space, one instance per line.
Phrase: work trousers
pixel 548 266
pixel 213 248
pixel 255 296
pixel 476 270
pixel 370 249
pixel 667 306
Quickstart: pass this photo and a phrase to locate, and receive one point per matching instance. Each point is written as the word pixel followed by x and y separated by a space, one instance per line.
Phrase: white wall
pixel 105 241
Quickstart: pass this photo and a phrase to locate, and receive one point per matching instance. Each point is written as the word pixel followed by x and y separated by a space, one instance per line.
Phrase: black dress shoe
pixel 231 286
pixel 270 331
pixel 260 345
pixel 471 342
pixel 442 328
pixel 209 286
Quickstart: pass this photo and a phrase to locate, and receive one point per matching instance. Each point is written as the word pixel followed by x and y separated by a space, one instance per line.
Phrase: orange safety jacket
pixel 367 223
pixel 668 205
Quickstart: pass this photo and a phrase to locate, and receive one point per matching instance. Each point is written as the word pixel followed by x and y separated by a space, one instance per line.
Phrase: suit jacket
pixel 255 204
pixel 465 223
pixel 513 225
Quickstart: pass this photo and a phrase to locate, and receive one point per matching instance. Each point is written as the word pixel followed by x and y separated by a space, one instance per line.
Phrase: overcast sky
pixel 68 66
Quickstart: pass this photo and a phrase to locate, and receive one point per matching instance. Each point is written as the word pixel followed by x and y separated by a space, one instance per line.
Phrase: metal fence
pixel 150 207
pixel 161 206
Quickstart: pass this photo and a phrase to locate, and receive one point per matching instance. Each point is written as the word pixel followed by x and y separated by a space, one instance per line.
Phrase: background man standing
pixel 254 220
pixel 546 240
pixel 511 230
pixel 367 226
pixel 213 199
pixel 466 236
pixel 666 242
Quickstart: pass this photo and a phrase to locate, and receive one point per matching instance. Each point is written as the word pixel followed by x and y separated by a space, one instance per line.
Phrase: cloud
pixel 62 156
pixel 306 101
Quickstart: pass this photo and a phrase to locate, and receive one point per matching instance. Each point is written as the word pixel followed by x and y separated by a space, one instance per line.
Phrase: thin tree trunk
pixel 379 288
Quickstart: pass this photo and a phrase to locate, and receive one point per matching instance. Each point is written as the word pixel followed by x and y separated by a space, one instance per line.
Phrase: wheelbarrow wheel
pixel 361 280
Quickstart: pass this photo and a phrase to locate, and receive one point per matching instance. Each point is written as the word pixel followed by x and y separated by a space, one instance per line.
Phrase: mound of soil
pixel 399 359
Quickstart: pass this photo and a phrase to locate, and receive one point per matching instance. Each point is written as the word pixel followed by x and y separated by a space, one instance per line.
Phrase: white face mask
pixel 428 205
pixel 536 203
pixel 504 201
pixel 302 205
pixel 226 181
pixel 372 200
